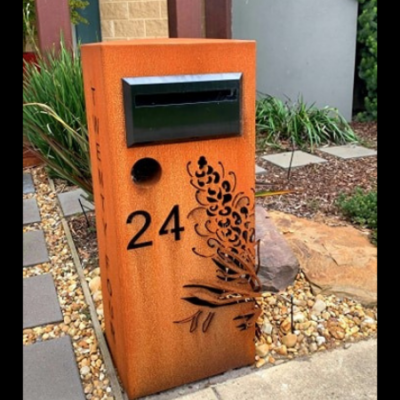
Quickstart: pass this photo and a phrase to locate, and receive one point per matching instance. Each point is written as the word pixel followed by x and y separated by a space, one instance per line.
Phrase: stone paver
pixel 340 374
pixel 50 371
pixel 34 248
pixel 30 212
pixel 40 302
pixel 260 170
pixel 28 186
pixel 349 151
pixel 70 202
pixel 300 158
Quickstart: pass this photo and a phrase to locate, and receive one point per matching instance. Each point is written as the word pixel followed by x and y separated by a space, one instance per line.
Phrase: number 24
pixel 176 230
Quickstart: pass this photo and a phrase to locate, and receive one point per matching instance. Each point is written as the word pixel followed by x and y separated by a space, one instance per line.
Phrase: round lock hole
pixel 146 171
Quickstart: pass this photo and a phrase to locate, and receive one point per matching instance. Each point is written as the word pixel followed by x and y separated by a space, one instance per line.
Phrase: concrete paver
pixel 40 302
pixel 50 371
pixel 260 170
pixel 34 248
pixel 70 202
pixel 300 158
pixel 30 213
pixel 349 151
pixel 28 186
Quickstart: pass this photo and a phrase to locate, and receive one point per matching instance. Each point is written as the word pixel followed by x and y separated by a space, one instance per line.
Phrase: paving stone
pixel 70 202
pixel 300 158
pixel 260 170
pixel 50 371
pixel 34 248
pixel 40 302
pixel 30 211
pixel 28 186
pixel 349 151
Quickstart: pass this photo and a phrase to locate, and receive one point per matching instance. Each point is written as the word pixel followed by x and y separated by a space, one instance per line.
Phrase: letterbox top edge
pixel 167 41
pixel 154 80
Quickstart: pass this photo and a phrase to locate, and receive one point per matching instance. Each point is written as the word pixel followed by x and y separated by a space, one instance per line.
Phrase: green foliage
pixel 28 22
pixel 362 209
pixel 300 123
pixel 54 118
pixel 367 37
pixel 74 6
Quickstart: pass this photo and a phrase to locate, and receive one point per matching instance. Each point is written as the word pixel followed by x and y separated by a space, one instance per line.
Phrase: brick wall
pixel 133 19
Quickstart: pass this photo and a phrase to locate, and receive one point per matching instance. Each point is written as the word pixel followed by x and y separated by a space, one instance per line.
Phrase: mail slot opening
pixel 146 171
pixel 166 99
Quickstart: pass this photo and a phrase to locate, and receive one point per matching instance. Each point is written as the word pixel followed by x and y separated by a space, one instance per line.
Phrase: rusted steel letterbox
pixel 172 141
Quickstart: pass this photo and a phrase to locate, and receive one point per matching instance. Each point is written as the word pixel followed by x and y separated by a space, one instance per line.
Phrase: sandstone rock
pixel 286 325
pixel 266 328
pixel 299 317
pixel 279 266
pixel 289 340
pixel 318 306
pixel 313 347
pixel 95 284
pixel 335 260
pixel 262 350
pixel 85 370
pixel 260 362
pixel 282 350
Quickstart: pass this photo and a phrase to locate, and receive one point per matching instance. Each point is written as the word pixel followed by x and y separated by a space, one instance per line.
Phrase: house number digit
pixel 147 221
pixel 173 217
pixel 176 229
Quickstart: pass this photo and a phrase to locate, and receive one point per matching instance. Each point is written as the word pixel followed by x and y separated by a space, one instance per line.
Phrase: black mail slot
pixel 182 107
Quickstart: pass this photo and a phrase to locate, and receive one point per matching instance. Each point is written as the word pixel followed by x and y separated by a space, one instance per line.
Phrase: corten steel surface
pixel 176 240
pixel 53 20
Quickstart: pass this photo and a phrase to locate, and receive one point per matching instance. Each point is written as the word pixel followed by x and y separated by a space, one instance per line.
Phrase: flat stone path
pixel 30 211
pixel 300 158
pixel 34 248
pixel 50 371
pixel 260 170
pixel 349 151
pixel 70 202
pixel 294 159
pixel 27 184
pixel 40 302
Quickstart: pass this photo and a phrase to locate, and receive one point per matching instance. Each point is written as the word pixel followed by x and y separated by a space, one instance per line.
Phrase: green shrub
pixel 367 38
pixel 300 123
pixel 362 209
pixel 54 118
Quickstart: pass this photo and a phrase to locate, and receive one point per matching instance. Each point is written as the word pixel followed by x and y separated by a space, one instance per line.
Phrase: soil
pixel 317 186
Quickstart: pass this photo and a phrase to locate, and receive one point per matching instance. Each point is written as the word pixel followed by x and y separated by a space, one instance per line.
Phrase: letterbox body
pixel 171 126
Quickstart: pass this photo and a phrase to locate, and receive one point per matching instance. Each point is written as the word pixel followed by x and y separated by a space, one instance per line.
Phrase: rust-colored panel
pixel 53 20
pixel 30 158
pixel 218 15
pixel 185 20
pixel 176 251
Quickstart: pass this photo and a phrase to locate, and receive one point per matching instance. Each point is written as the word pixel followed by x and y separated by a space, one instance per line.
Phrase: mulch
pixel 317 186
